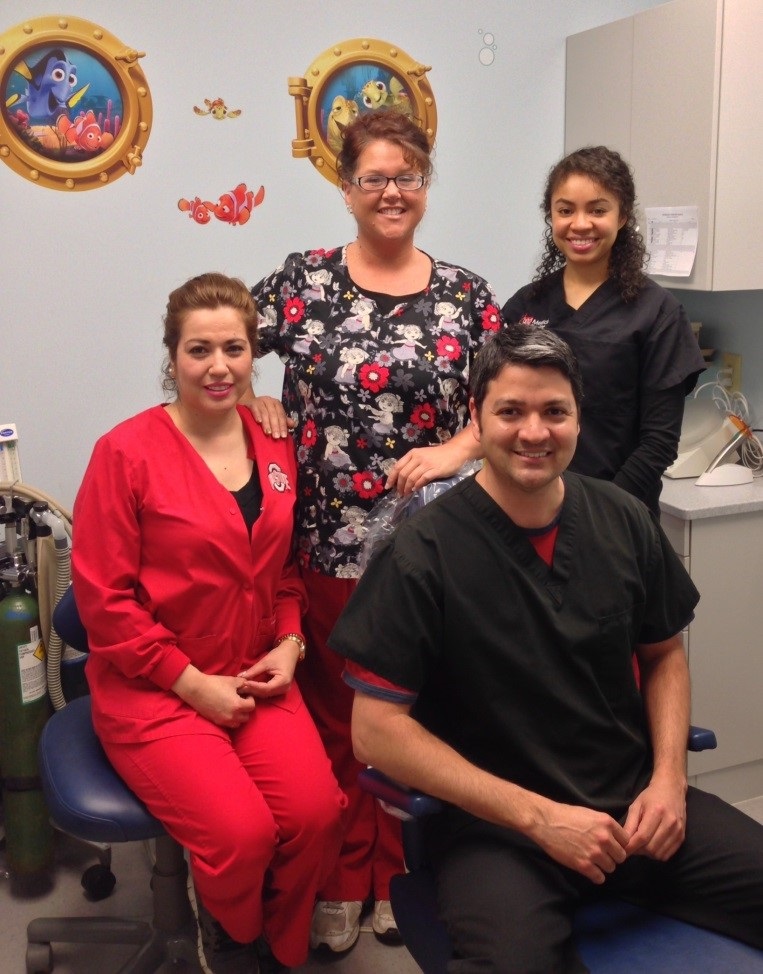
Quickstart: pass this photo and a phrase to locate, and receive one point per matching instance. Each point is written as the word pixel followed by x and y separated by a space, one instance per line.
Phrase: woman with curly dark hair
pixel 632 338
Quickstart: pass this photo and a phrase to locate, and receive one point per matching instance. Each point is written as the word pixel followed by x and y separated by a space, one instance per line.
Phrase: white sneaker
pixel 336 924
pixel 383 923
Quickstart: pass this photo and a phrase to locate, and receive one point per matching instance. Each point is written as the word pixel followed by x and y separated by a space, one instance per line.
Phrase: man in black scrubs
pixel 491 644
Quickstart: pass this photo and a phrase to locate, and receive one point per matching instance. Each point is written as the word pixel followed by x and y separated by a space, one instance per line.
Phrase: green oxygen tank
pixel 24 708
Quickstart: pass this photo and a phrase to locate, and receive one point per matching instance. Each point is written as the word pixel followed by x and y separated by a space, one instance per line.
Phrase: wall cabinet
pixel 677 90
pixel 724 642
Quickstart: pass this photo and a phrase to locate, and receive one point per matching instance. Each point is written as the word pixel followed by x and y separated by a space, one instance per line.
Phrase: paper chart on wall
pixel 671 239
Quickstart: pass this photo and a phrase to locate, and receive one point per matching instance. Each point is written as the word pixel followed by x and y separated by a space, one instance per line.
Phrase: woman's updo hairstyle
pixel 208 291
pixel 390 125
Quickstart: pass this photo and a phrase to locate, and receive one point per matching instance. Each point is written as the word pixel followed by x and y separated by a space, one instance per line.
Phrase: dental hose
pixel 53 549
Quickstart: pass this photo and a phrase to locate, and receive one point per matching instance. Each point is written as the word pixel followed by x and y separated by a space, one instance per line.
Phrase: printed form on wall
pixel 671 239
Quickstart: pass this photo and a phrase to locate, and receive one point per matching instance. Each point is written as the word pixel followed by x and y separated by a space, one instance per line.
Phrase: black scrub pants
pixel 509 906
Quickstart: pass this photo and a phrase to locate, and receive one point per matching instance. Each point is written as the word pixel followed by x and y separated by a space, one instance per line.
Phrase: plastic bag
pixel 385 516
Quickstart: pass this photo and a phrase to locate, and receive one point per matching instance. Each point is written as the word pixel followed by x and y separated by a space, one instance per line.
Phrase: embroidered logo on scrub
pixel 278 479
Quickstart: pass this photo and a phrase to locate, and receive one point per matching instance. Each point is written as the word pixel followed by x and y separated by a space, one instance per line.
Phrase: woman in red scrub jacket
pixel 184 578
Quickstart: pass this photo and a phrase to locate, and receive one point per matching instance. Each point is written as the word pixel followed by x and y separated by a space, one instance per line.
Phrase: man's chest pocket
pixel 612 657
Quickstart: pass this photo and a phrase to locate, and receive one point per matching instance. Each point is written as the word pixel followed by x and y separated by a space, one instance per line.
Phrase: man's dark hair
pixel 524 345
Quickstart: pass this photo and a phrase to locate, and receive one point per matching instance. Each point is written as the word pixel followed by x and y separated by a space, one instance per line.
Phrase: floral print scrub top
pixel 364 386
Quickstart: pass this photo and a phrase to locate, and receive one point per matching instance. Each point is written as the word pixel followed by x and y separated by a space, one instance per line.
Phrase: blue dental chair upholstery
pixel 87 799
pixel 613 937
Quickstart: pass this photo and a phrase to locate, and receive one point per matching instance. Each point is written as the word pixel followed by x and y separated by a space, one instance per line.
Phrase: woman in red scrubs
pixel 184 578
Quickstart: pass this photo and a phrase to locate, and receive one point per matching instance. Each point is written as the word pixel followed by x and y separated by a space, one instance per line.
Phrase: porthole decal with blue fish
pixel 75 108
pixel 353 77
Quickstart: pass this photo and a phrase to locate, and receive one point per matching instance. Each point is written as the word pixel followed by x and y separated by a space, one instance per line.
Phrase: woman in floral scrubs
pixel 377 338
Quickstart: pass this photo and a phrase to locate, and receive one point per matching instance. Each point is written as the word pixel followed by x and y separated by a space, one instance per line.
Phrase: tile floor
pixel 131 898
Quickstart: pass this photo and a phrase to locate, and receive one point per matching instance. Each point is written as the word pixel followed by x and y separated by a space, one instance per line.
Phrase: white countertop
pixel 684 499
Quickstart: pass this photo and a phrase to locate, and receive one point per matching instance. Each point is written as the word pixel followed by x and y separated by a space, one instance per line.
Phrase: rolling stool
pixel 87 799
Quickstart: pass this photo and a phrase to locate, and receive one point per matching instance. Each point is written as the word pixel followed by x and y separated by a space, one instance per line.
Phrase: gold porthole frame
pixel 335 74
pixel 19 144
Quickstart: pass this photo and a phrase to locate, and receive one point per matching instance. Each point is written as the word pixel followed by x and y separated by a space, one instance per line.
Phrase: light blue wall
pixel 84 276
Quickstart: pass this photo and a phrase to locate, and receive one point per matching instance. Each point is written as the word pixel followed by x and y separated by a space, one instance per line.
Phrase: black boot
pixel 222 953
pixel 269 964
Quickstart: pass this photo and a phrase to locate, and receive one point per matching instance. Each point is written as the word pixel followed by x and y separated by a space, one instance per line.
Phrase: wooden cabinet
pixel 677 90
pixel 724 556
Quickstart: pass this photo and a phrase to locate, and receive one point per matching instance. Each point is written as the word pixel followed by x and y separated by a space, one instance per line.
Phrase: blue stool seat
pixel 86 797
pixel 617 937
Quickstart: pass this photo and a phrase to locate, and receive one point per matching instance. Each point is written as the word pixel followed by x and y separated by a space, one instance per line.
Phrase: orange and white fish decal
pixel 196 210
pixel 84 132
pixel 236 206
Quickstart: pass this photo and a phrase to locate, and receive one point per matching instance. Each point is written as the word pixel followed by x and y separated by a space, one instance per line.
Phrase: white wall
pixel 84 276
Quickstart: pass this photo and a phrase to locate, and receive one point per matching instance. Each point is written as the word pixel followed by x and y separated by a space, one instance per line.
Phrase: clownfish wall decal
pixel 234 207
pixel 196 210
pixel 84 132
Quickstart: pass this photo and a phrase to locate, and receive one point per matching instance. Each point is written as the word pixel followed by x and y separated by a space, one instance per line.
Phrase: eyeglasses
pixel 373 183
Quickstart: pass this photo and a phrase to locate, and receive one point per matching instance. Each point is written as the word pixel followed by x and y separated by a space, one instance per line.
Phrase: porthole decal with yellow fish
pixel 353 77
pixel 75 108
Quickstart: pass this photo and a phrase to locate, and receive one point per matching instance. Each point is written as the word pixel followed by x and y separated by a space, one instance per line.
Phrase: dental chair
pixel 87 799
pixel 613 936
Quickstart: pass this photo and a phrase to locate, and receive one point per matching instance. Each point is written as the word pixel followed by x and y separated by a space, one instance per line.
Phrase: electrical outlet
pixel 733 363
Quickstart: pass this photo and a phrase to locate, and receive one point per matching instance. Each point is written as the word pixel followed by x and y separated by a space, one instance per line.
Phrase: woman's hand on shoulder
pixel 218 698
pixel 272 675
pixel 271 415
pixel 427 463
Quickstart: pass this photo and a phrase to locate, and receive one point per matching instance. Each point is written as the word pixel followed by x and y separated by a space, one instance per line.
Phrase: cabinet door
pixel 738 263
pixel 598 88
pixel 725 659
pixel 676 80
